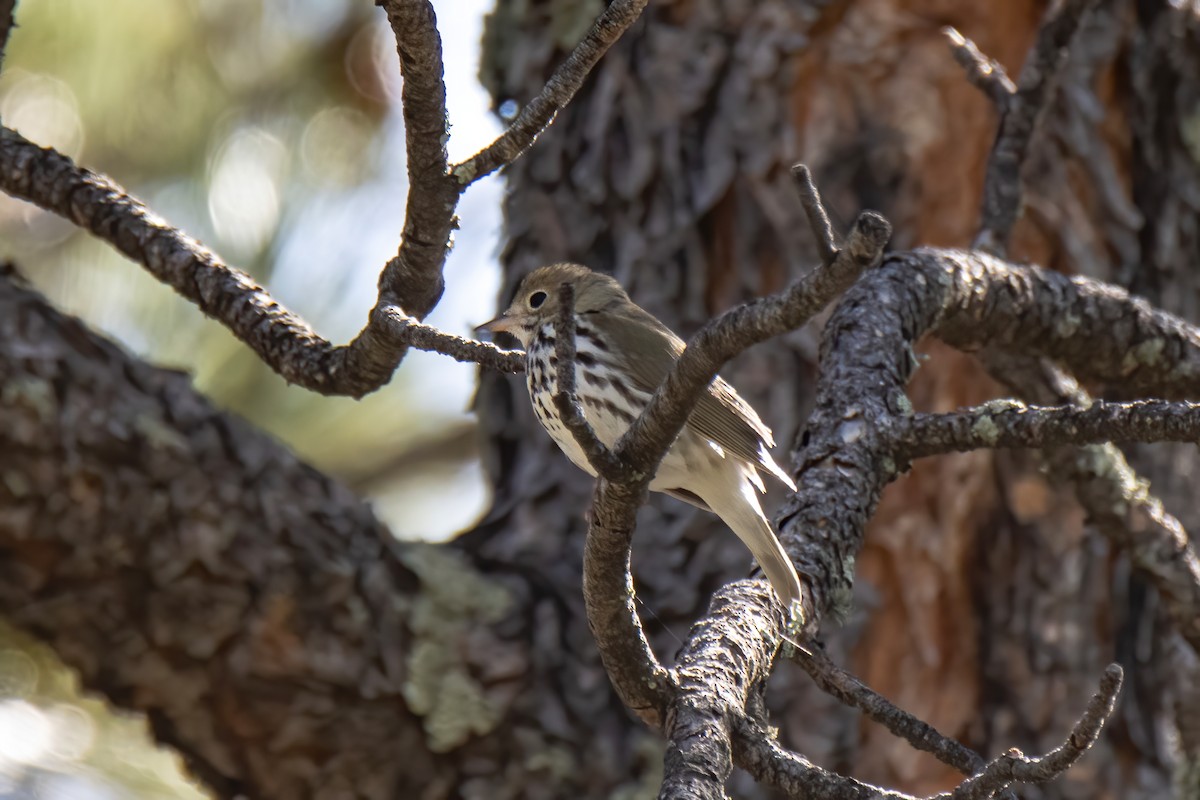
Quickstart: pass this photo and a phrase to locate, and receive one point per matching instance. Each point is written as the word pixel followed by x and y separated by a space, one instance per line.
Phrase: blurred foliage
pixel 54 742
pixel 269 130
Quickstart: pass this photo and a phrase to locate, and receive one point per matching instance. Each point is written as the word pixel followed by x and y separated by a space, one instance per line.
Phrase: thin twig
pixel 570 410
pixel 558 91
pixel 1002 189
pixel 814 210
pixel 1001 424
pixel 430 339
pixel 758 752
pixel 1023 769
pixel 985 74
pixel 850 690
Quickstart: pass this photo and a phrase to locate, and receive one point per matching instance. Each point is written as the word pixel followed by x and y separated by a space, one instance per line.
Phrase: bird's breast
pixel 607 397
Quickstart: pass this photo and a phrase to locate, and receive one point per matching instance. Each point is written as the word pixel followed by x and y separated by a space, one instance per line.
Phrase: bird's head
pixel 537 299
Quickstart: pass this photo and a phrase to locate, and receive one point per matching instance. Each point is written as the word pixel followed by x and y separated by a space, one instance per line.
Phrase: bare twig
pixel 771 764
pixel 1002 181
pixel 814 210
pixel 558 91
pixel 1012 424
pixel 566 401
pixel 985 74
pixel 851 691
pixel 405 329
pixel 1015 767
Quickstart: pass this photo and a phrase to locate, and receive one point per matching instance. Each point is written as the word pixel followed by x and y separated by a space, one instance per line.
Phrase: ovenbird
pixel 622 354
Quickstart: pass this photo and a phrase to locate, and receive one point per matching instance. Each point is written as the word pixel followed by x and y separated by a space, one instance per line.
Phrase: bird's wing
pixel 720 414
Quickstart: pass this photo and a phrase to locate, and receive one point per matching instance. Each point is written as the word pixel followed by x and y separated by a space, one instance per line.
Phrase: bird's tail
pixel 743 514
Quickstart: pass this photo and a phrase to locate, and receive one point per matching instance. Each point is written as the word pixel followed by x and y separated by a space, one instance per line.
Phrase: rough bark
pixel 191 568
pixel 984 600
pixel 274 634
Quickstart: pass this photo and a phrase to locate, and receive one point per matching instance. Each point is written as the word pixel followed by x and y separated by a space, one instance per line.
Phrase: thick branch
pixel 191 568
pixel 725 656
pixel 558 91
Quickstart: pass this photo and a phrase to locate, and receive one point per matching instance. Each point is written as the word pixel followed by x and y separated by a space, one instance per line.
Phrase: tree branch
pixel 724 657
pixel 558 91
pixel 850 690
pixel 279 337
pixel 410 284
pixel 1020 114
pixel 413 279
pixel 1015 767
pixel 193 569
pixel 606 464
pixel 1012 424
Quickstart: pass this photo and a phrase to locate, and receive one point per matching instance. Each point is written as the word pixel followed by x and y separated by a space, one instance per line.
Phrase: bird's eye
pixel 536 299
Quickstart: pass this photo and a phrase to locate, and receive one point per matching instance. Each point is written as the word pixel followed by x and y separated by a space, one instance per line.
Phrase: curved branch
pixel 1013 766
pixel 283 340
pixel 566 401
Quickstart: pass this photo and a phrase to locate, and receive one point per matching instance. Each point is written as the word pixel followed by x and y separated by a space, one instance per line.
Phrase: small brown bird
pixel 622 354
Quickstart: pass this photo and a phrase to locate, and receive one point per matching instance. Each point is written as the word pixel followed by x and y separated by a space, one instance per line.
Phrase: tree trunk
pixel 985 603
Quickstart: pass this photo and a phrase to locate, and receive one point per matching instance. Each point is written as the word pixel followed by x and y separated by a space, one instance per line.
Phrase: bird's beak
pixel 500 324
